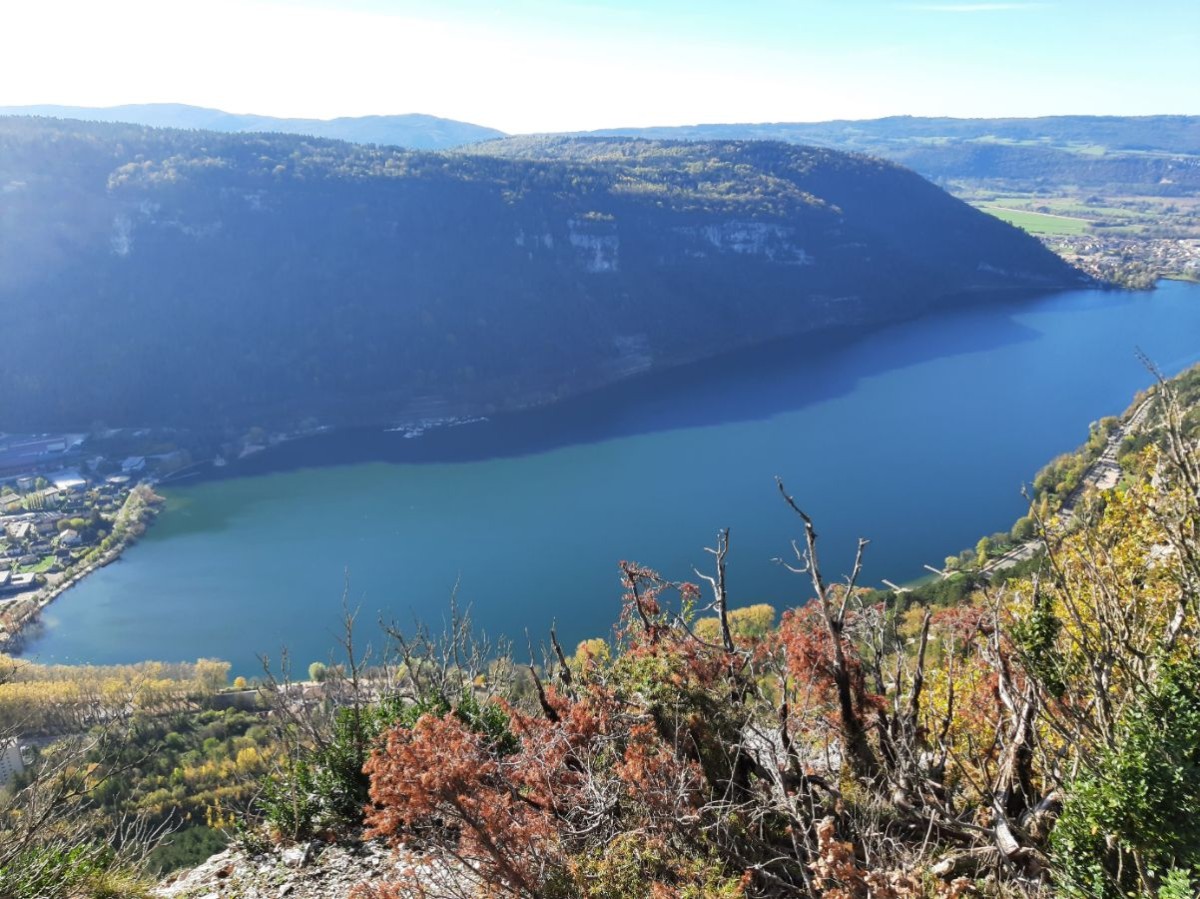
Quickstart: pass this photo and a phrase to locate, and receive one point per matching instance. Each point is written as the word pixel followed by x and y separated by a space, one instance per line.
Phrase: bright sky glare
pixel 560 65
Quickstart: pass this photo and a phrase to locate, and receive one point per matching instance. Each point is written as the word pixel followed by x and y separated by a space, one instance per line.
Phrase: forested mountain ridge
pixel 413 130
pixel 1166 133
pixel 1155 154
pixel 207 279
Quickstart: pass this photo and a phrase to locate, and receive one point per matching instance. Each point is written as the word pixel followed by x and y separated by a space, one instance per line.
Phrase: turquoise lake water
pixel 917 436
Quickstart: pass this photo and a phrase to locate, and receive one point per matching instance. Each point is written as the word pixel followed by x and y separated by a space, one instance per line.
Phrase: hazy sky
pixel 539 65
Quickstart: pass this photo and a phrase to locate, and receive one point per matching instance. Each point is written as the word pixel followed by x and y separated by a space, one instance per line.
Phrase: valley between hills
pixel 260 364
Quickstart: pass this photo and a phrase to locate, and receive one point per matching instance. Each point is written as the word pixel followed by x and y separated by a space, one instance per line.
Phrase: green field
pixel 1038 222
pixel 1074 208
pixel 1080 147
pixel 39 567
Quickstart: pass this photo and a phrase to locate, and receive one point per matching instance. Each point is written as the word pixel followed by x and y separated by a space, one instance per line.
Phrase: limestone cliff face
pixel 201 279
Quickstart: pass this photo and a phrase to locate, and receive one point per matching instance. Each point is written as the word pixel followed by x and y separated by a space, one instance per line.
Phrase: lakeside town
pixel 69 505
pixel 1136 263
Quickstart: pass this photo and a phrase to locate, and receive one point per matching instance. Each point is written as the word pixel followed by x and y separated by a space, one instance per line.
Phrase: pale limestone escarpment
pixel 597 246
pixel 633 355
pixel 208 229
pixel 146 213
pixel 544 240
pixel 773 242
pixel 121 240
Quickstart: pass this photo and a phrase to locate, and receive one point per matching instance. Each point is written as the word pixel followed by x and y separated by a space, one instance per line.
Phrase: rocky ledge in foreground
pixel 304 871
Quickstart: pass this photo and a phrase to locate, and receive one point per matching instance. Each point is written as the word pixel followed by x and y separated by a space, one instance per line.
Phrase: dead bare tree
pixel 859 753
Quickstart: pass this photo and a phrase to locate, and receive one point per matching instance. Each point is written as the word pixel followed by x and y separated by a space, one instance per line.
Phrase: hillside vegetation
pixel 1115 195
pixel 1035 732
pixel 1157 154
pixel 1027 733
pixel 1118 196
pixel 204 279
pixel 413 131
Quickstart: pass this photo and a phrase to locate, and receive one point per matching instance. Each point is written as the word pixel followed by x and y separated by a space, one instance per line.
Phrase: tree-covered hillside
pixel 206 279
pixel 1145 154
pixel 414 131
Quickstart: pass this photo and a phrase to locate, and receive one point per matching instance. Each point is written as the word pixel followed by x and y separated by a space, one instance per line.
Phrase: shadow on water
pixel 748 385
pixel 915 435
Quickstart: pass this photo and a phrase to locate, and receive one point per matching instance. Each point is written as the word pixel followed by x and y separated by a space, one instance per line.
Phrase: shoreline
pixel 266 459
pixel 421 421
pixel 148 503
pixel 14 639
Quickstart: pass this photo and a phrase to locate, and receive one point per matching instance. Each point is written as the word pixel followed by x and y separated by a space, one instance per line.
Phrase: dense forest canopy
pixel 155 276
pixel 413 130
pixel 1154 154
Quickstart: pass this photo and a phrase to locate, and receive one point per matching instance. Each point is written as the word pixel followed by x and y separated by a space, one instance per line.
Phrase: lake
pixel 918 436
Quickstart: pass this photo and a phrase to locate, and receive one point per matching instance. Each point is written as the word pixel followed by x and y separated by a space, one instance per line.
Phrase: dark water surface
pixel 917 436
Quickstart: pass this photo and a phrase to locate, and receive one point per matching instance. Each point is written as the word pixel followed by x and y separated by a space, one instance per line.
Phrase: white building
pixel 21 530
pixel 68 480
pixel 11 763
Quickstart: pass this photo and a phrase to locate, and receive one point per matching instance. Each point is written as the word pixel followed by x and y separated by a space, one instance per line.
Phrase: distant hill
pixel 1157 154
pixel 1169 133
pixel 201 279
pixel 1138 154
pixel 414 131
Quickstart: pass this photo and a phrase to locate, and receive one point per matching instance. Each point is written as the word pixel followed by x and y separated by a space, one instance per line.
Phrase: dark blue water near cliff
pixel 918 436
